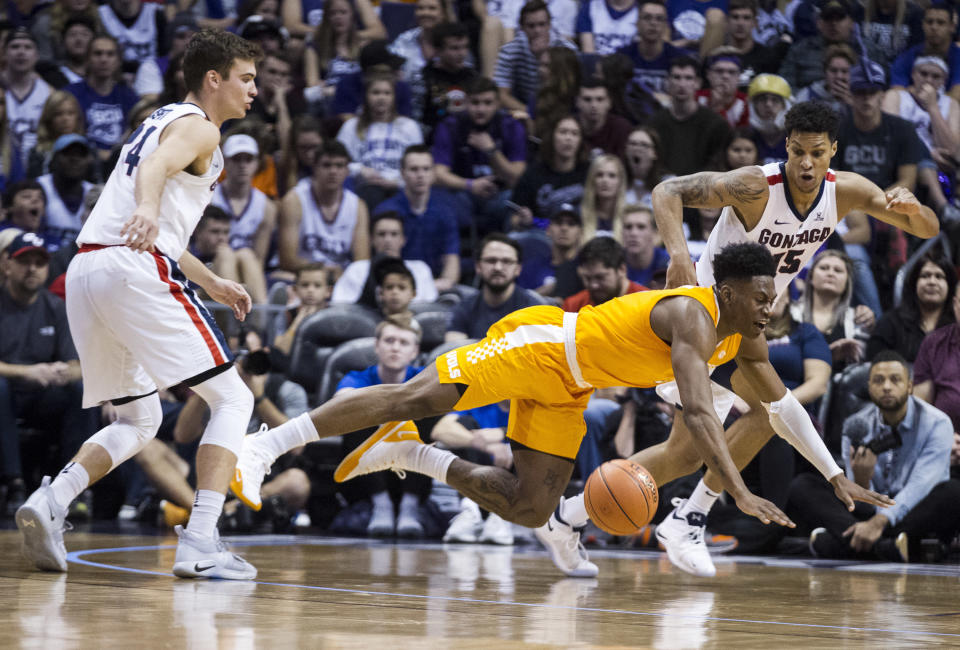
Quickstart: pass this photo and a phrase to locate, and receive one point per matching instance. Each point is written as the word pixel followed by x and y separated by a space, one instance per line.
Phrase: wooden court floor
pixel 316 592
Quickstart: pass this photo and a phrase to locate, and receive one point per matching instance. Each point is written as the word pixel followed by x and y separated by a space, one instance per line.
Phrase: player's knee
pixel 231 405
pixel 136 425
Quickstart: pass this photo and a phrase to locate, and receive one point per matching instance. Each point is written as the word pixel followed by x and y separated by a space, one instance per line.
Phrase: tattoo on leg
pixel 552 480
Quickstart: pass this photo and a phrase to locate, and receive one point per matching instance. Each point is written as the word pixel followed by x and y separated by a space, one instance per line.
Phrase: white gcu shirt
pixel 320 241
pixel 184 197
pixel 610 35
pixel 792 238
pixel 243 226
pixel 23 115
pixel 139 41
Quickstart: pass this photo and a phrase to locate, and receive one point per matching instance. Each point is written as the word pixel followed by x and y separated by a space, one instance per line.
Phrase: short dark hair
pixel 889 355
pixel 743 261
pixel 941 5
pixel 391 265
pixel 812 117
pixel 604 250
pixel 309 268
pixel 389 214
pixel 684 61
pixel 80 19
pixel 443 31
pixel 592 81
pixel 414 149
pixel 752 5
pixel 213 213
pixel 479 85
pixel 333 149
pixel 22 186
pixel 503 239
pixel 532 7
pixel 215 49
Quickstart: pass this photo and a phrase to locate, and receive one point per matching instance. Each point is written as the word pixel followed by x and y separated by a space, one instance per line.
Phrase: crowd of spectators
pixel 410 172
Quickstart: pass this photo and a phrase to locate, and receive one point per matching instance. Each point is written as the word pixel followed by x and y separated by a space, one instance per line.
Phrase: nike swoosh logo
pixel 780 223
pixel 201 569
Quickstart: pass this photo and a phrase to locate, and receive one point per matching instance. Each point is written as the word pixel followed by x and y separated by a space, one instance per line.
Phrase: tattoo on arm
pixel 694 190
pixel 742 192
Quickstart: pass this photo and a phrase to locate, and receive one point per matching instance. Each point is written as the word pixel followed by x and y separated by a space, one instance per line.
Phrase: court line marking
pixel 77 558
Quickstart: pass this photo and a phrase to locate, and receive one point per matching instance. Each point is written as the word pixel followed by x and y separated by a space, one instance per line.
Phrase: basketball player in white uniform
pixel 791 208
pixel 137 326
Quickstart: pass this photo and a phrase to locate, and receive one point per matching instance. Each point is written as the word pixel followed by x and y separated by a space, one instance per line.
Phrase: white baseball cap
pixel 240 143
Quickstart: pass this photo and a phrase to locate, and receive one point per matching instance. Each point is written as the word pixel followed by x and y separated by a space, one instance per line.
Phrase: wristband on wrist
pixel 469 184
pixel 257 400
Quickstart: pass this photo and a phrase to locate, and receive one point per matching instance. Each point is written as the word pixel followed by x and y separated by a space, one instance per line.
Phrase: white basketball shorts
pixel 136 324
pixel 723 398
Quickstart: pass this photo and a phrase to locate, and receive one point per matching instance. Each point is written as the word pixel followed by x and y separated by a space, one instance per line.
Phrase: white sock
pixel 573 511
pixel 429 461
pixel 701 500
pixel 381 502
pixel 289 435
pixel 207 506
pixel 69 483
pixel 409 505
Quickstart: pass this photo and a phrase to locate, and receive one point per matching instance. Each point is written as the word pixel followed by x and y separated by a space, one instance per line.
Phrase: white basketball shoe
pixel 253 464
pixel 42 522
pixel 683 538
pixel 566 550
pixel 208 557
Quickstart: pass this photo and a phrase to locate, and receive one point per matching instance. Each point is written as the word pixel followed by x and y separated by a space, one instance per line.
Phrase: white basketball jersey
pixel 23 115
pixel 791 237
pixel 610 35
pixel 61 220
pixel 911 111
pixel 184 196
pixel 243 226
pixel 320 241
pixel 139 41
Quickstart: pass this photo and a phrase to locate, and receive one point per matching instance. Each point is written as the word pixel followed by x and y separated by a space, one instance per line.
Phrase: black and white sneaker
pixel 41 523
pixel 208 557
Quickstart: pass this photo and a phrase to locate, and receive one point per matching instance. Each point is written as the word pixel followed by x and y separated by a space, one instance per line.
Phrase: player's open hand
pixel 902 200
pixel 233 295
pixel 848 492
pixel 140 231
pixel 763 510
pixel 680 273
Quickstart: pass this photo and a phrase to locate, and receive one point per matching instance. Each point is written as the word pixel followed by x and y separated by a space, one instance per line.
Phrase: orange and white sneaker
pixel 253 464
pixel 384 449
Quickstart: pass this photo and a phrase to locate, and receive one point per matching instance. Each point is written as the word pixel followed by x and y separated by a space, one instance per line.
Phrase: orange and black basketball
pixel 621 497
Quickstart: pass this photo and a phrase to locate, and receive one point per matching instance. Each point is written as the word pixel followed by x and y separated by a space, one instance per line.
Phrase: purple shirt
pixel 450 146
pixel 939 361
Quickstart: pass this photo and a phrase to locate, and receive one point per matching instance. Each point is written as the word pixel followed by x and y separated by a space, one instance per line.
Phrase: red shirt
pixel 736 114
pixel 578 301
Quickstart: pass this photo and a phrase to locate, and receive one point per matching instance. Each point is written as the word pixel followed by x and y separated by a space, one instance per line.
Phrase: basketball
pixel 621 497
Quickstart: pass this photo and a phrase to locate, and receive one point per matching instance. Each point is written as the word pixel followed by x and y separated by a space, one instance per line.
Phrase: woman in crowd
pixel 644 169
pixel 926 305
pixel 741 151
pixel 559 72
pixel 61 115
pixel 376 140
pixel 603 198
pixel 333 52
pixel 556 177
pixel 301 17
pixel 826 304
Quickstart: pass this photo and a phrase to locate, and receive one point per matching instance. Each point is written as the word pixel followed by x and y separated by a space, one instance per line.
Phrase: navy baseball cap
pixel 26 242
pixel 867 76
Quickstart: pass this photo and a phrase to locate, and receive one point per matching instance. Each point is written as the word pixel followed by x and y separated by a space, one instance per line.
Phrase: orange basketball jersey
pixel 616 346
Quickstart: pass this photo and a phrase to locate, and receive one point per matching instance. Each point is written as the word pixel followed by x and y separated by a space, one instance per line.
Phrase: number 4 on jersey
pixel 133 157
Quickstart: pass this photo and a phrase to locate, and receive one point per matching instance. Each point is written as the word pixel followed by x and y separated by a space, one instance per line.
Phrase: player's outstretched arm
pixel 187 140
pixel 792 423
pixel 744 189
pixel 897 206
pixel 692 335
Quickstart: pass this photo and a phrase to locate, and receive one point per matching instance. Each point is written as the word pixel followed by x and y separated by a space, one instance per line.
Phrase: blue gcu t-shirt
pixel 370 377
pixel 106 115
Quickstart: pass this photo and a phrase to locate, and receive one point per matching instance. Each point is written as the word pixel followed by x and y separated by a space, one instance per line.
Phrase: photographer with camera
pixel 899 445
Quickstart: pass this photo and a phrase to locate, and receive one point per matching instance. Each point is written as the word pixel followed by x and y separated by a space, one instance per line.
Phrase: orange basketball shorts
pixel 524 358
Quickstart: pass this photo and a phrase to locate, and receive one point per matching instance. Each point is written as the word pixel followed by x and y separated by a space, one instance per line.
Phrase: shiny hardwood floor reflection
pixel 335 593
